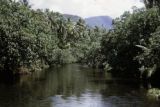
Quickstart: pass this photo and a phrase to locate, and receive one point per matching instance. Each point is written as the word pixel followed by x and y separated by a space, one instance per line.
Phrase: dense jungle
pixel 60 53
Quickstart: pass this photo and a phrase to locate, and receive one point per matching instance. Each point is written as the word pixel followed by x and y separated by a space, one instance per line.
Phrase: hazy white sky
pixel 87 8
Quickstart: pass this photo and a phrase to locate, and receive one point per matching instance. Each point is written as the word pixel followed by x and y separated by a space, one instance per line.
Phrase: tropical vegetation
pixel 35 39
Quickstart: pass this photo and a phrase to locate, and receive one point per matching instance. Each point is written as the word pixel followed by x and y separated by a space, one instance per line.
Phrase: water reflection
pixel 73 86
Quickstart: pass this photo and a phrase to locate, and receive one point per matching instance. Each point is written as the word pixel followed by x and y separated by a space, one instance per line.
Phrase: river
pixel 73 86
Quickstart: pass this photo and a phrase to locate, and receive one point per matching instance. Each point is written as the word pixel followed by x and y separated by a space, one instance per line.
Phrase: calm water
pixel 73 86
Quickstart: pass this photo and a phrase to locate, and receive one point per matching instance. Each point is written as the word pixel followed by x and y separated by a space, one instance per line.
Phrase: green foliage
pixel 131 48
pixel 34 38
pixel 153 93
pixel 151 3
pixel 92 55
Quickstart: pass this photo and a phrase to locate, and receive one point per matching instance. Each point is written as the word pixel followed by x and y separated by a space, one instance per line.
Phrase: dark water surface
pixel 73 86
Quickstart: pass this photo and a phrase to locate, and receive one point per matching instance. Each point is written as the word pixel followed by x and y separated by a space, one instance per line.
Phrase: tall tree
pixel 151 3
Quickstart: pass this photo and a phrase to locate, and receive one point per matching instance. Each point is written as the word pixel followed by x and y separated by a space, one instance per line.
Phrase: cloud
pixel 87 8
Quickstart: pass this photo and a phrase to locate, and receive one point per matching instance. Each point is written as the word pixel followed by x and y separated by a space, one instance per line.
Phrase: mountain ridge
pixel 100 21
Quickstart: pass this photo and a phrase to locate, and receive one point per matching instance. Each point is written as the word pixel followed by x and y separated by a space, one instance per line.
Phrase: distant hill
pixel 100 21
pixel 74 18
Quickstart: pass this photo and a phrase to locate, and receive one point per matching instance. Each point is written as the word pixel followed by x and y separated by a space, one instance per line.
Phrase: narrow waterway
pixel 73 86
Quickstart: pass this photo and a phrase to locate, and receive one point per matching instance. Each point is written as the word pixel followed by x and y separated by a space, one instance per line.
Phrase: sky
pixel 88 8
